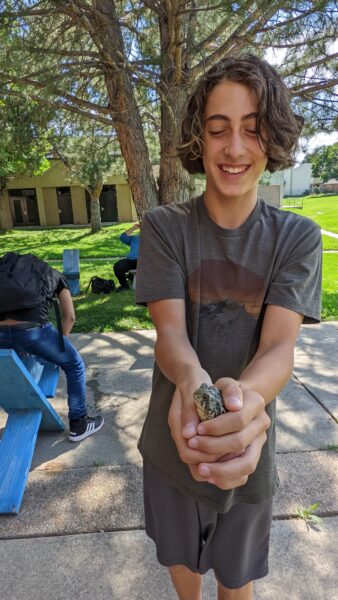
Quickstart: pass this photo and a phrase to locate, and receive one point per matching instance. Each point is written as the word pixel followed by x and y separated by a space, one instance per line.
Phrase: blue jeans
pixel 44 342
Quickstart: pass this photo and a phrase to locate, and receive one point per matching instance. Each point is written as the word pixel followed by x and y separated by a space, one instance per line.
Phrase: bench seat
pixel 28 411
pixel 133 273
pixel 71 270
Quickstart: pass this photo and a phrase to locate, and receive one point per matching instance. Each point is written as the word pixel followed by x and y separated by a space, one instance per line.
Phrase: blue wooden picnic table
pixel 23 395
pixel 71 270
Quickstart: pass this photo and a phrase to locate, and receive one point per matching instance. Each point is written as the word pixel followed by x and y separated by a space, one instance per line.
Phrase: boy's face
pixel 232 156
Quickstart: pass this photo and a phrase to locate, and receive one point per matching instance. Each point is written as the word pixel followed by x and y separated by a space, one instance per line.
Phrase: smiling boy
pixel 235 279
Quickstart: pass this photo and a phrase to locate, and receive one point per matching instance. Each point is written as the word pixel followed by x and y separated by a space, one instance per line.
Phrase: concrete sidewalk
pixel 80 533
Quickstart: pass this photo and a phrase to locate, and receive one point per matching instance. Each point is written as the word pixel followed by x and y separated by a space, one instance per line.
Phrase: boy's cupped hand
pixel 225 450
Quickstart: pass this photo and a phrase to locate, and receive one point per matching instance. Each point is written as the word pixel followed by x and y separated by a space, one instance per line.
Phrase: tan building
pixel 50 200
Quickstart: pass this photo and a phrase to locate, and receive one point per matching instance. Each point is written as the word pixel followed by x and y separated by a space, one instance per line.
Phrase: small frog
pixel 209 402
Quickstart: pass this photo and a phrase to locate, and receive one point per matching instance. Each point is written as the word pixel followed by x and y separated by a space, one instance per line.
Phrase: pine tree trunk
pixel 4 225
pixel 175 184
pixel 95 215
pixel 125 112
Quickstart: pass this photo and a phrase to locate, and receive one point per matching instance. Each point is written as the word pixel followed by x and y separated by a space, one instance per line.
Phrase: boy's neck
pixel 230 213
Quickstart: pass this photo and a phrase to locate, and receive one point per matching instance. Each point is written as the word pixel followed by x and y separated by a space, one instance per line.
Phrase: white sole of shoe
pixel 86 434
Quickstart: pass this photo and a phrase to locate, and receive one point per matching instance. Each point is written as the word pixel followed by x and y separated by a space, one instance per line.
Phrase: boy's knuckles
pixel 184 454
pixel 240 420
pixel 239 443
pixel 251 466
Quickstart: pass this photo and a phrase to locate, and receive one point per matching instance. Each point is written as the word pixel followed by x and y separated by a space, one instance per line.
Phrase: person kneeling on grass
pixel 27 330
pixel 235 278
pixel 122 266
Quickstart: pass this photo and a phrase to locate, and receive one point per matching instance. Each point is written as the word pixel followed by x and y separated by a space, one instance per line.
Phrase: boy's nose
pixel 235 146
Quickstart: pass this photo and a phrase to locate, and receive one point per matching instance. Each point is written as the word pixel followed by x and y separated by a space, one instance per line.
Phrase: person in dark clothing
pixel 124 265
pixel 235 279
pixel 29 331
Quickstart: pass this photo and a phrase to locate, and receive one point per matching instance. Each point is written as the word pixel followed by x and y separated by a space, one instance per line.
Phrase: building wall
pixel 124 203
pixel 298 180
pixel 57 176
pixel 271 194
pixel 41 207
pixel 79 205
pixel 295 180
pixel 51 206
pixel 330 187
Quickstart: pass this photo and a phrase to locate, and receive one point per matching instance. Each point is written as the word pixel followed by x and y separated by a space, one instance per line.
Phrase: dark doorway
pixel 88 205
pixel 24 207
pixel 65 206
pixel 108 204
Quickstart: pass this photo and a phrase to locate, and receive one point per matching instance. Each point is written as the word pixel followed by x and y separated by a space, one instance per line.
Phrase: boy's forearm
pixel 269 371
pixel 175 356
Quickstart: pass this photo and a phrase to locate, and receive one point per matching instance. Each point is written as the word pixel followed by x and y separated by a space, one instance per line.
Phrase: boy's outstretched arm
pixel 262 379
pixel 272 364
pixel 179 363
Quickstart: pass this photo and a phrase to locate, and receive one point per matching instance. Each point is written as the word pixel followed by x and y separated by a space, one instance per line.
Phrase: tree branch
pixel 304 42
pixel 201 9
pixel 55 52
pixel 69 97
pixel 299 90
pixel 154 6
pixel 218 31
pixel 63 106
pixel 235 36
pixel 285 23
pixel 311 65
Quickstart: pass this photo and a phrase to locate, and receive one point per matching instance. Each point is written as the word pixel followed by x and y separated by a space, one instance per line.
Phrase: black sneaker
pixel 122 288
pixel 79 429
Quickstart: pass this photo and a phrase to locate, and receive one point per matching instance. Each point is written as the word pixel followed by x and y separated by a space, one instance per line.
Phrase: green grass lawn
pixel 324 211
pixel 105 312
pixel 49 244
pixel 118 312
pixel 329 243
pixel 330 287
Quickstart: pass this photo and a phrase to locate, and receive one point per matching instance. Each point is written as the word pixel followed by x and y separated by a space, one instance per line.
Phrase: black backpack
pixel 25 282
pixel 99 285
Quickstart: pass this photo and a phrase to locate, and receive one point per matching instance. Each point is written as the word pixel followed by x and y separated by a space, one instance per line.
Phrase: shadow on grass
pixel 111 312
pixel 49 244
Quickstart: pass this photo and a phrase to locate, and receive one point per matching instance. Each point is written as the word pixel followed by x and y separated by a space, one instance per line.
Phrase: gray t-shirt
pixel 226 277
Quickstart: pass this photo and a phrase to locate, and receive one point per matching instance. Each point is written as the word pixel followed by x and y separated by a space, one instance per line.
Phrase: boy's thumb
pixel 233 396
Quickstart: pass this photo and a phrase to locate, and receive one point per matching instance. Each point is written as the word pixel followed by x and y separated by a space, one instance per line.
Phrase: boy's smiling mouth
pixel 234 170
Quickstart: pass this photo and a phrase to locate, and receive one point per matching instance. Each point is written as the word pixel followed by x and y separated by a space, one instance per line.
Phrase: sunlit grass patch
pixel 50 243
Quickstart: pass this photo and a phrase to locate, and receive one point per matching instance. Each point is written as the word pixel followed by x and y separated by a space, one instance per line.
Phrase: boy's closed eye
pixel 220 132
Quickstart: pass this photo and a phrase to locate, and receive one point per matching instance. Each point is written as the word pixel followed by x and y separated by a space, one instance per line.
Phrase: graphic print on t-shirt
pixel 223 286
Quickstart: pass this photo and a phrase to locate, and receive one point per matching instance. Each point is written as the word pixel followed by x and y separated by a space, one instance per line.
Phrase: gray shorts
pixel 234 544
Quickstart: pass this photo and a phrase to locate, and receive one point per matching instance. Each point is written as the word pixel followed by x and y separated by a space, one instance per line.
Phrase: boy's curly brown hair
pixel 275 118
